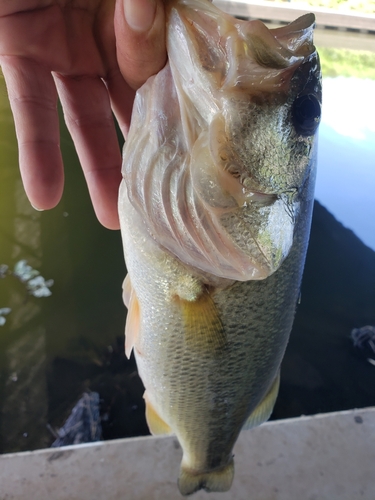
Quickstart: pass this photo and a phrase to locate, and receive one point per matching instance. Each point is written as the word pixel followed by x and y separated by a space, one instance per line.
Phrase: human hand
pixel 93 54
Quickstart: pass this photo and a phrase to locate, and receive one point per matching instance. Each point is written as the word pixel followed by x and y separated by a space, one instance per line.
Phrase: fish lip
pixel 259 198
pixel 265 197
pixel 243 188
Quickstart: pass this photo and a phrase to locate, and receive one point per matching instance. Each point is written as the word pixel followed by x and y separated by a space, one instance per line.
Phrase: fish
pixel 215 209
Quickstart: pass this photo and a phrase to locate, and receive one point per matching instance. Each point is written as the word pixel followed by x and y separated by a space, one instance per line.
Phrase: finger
pixel 33 99
pixel 122 97
pixel 140 39
pixel 88 116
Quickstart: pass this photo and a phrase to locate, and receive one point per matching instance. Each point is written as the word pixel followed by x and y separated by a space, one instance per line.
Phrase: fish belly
pixel 203 394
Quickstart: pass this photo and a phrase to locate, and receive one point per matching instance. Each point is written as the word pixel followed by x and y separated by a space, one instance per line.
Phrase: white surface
pixel 326 457
pixel 286 11
pixel 346 155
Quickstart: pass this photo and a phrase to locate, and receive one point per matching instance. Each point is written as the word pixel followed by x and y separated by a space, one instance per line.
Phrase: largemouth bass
pixel 215 209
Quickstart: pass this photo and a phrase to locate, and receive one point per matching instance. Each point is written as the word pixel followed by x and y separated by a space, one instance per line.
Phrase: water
pixel 346 158
pixel 54 348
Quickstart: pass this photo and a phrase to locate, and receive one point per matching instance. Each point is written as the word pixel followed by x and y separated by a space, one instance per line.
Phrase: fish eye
pixel 306 114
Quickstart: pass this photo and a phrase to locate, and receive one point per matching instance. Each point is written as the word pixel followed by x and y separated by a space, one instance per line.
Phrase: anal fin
pixel 155 423
pixel 133 318
pixel 264 409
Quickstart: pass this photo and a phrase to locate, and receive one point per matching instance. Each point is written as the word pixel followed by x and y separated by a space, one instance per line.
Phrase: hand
pixel 93 54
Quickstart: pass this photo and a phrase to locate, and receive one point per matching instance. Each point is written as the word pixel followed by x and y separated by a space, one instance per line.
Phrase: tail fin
pixel 216 480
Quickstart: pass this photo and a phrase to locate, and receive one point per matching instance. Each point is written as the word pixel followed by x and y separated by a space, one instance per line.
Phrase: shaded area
pixel 322 371
pixel 108 373
pixel 82 425
pixel 55 348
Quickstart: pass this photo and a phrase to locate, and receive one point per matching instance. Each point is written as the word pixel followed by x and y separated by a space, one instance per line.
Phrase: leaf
pixel 36 282
pixel 4 310
pixel 23 271
pixel 38 287
pixel 41 292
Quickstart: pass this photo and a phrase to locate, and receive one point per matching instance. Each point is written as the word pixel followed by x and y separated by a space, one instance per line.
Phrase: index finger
pixel 33 99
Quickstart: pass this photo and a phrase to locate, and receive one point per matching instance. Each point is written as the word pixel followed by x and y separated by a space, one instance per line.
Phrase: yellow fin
pixel 132 319
pixel 264 409
pixel 203 327
pixel 155 423
pixel 216 480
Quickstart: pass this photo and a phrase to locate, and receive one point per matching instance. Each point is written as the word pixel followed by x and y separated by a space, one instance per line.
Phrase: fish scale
pixel 215 210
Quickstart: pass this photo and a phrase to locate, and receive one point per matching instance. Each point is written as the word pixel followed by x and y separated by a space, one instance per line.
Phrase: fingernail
pixel 37 209
pixel 140 14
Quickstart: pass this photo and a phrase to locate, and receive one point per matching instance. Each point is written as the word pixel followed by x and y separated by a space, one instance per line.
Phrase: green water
pixel 79 320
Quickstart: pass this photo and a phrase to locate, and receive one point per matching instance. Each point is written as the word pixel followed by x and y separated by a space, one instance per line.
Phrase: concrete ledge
pixel 286 12
pixel 324 457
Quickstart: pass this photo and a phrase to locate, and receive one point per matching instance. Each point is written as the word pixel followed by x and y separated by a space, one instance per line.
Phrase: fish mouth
pixel 240 186
pixel 231 173
pixel 266 198
pixel 257 198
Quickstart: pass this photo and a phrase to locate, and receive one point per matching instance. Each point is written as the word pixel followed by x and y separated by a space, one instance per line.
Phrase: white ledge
pixel 324 457
pixel 287 12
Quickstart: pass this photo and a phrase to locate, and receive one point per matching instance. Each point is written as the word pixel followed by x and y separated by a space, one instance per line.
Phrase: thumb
pixel 140 39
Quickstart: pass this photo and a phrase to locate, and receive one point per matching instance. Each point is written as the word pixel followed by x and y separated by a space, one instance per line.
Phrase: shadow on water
pixel 52 349
pixel 322 371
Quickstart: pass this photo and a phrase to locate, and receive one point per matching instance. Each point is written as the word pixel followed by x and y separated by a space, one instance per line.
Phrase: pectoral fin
pixel 133 318
pixel 264 409
pixel 155 423
pixel 203 328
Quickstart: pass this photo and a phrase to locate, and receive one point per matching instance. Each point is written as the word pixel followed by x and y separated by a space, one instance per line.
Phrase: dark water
pixel 54 348
pixel 322 371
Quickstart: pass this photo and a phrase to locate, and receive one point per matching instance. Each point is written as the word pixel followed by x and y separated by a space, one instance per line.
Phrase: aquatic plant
pixel 35 284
